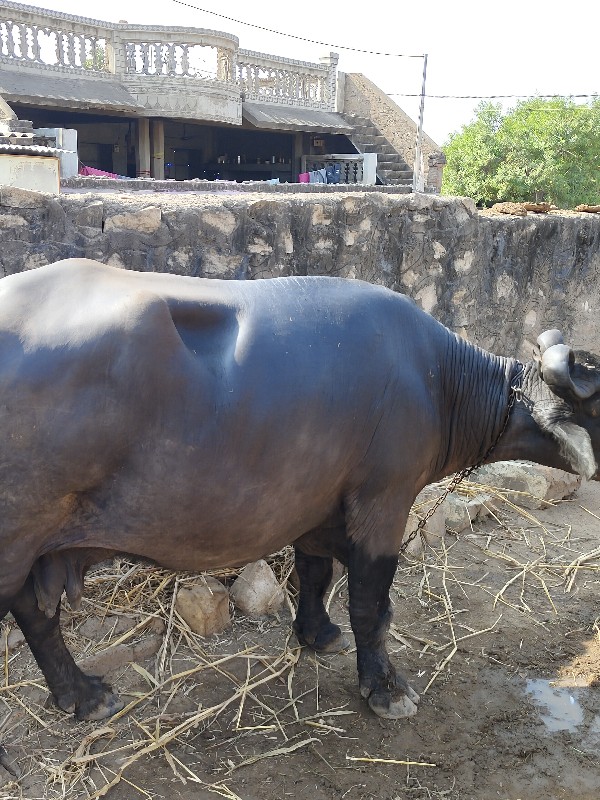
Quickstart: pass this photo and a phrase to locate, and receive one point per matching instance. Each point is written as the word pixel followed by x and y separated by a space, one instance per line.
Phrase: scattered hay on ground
pixel 212 708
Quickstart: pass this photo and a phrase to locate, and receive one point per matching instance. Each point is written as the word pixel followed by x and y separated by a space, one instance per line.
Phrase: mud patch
pixel 561 709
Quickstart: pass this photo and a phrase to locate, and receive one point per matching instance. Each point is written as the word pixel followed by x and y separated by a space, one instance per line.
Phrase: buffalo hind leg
pixel 5 606
pixel 369 582
pixel 84 695
pixel 312 624
pixel 314 565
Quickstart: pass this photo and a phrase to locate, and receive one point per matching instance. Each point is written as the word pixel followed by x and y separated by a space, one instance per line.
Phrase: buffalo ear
pixel 576 447
pixel 585 379
pixel 573 441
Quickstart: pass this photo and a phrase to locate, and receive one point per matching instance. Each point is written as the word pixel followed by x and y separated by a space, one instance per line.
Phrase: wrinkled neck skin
pixel 475 403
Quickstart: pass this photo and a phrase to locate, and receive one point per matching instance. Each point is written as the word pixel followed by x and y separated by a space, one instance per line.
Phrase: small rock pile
pixel 205 605
pixel 529 485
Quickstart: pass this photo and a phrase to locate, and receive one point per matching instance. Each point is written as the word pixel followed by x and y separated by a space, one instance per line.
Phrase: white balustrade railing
pixel 275 79
pixel 179 59
pixel 351 169
pixel 51 46
pixel 142 54
pixel 35 36
pixel 157 58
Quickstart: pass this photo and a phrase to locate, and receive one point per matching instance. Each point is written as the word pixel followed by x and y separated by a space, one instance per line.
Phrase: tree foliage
pixel 97 58
pixel 541 150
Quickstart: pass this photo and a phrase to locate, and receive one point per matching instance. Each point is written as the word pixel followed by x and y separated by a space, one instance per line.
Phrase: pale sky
pixel 474 47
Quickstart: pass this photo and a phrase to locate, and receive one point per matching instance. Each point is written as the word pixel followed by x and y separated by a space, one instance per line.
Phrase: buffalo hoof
pixel 110 704
pixel 329 640
pixel 94 700
pixel 333 646
pixel 394 705
pixel 396 700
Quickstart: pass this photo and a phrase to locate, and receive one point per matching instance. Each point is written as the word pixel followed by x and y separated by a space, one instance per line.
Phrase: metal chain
pixel 458 477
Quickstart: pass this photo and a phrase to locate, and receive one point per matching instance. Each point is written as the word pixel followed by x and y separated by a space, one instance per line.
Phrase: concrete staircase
pixel 392 169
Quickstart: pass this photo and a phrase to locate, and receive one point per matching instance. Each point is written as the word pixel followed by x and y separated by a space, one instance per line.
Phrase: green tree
pixel 97 58
pixel 541 150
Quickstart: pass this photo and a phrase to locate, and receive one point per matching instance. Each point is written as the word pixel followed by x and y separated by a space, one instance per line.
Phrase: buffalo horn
pixel 557 361
pixel 548 339
pixel 556 366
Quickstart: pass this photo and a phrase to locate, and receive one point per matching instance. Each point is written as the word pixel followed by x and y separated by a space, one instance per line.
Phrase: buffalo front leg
pixel 369 582
pixel 312 624
pixel 84 695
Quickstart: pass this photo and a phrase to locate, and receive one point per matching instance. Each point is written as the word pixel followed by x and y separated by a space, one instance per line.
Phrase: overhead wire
pixel 295 36
pixel 389 55
pixel 492 96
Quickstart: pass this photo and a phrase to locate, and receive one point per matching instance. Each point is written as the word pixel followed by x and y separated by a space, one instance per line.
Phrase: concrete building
pixel 184 103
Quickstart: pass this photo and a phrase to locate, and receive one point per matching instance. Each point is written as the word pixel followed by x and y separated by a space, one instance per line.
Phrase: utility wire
pixel 389 55
pixel 490 96
pixel 294 36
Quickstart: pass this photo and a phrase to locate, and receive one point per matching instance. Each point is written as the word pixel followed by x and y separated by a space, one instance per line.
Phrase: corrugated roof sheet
pixel 294 118
pixel 75 92
pixel 29 149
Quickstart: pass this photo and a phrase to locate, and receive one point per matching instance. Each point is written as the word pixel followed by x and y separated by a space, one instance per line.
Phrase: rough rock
pixel 116 656
pixel 204 606
pixel 12 221
pixel 144 220
pixel 13 197
pixel 97 629
pixel 516 209
pixel 588 209
pixel 532 484
pixel 462 512
pixel 538 208
pixel 256 591
pixel 434 529
pixel 91 215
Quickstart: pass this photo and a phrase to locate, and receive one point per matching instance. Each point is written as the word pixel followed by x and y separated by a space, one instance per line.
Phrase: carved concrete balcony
pixel 54 59
pixel 273 79
pixel 185 73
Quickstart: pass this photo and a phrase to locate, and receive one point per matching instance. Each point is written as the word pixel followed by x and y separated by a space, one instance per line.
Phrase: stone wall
pixel 498 280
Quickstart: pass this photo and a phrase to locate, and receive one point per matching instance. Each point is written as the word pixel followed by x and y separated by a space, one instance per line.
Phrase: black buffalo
pixel 204 423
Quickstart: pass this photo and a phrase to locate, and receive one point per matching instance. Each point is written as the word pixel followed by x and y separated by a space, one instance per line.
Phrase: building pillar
pixel 330 61
pixel 297 153
pixel 157 129
pixel 143 147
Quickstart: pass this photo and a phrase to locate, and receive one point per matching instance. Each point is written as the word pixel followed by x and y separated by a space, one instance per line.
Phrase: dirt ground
pixel 498 629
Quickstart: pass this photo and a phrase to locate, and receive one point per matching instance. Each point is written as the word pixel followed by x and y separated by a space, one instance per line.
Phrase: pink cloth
pixel 100 173
pixel 303 177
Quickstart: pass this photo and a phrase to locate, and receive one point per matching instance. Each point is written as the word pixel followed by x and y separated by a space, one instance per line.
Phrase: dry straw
pixel 262 693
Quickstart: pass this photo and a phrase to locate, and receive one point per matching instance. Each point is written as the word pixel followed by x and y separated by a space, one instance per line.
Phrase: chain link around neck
pixel 515 396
